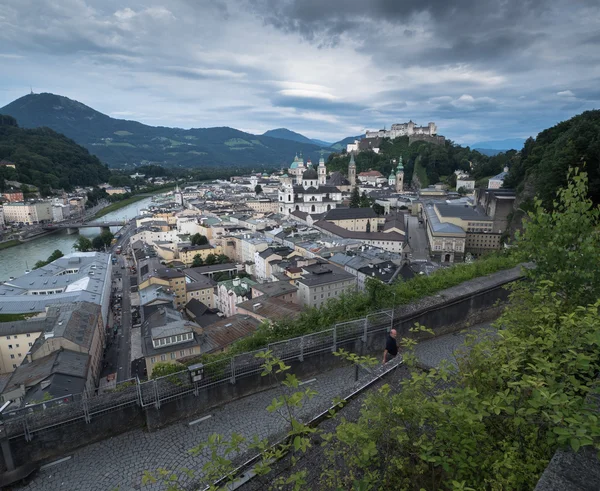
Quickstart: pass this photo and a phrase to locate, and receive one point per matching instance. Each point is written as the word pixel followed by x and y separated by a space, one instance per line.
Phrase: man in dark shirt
pixel 391 348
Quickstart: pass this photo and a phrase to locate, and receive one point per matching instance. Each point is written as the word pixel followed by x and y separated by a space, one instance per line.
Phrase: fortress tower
pixel 322 172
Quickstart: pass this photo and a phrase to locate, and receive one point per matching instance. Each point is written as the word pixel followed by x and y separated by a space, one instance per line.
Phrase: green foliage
pixel 543 162
pixel 564 242
pixel 83 244
pixel 52 257
pixel 198 239
pixel 162 369
pixel 258 189
pixel 47 159
pixel 377 208
pixel 355 198
pixel 211 259
pixel 365 201
pixel 198 261
pixel 97 243
pixel 107 237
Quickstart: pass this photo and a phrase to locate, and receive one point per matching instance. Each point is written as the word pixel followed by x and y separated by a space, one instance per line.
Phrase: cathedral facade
pixel 305 189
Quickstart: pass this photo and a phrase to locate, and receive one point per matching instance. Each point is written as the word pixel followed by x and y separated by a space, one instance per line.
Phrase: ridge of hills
pixel 46 159
pixel 286 134
pixel 118 142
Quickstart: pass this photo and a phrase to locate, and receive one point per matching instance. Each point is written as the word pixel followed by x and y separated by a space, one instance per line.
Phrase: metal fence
pixel 64 410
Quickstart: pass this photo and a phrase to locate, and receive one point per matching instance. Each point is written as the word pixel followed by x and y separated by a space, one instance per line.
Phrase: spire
pixel 352 159
pixel 400 166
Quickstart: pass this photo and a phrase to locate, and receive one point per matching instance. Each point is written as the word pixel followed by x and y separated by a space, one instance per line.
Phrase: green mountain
pixel 118 142
pixel 542 165
pixel 286 134
pixel 341 145
pixel 46 159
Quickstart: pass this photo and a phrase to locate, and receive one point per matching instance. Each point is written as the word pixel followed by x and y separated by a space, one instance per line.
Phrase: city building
pixel 269 309
pixel 310 192
pixel 200 287
pixel 403 129
pixel 187 253
pixel 171 278
pixel 372 177
pixel 355 219
pixel 232 292
pixel 13 195
pixel 321 282
pixel 283 290
pixel 29 212
pixel 262 205
pixel 498 204
pixel 446 240
pixel 167 337
pixel 76 277
pixel 497 181
pixel 16 339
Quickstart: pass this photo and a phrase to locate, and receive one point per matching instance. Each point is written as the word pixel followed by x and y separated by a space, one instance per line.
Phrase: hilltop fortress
pixel 403 129
pixel 372 139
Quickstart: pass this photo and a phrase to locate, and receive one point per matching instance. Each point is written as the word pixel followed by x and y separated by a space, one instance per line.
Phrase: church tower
pixel 400 176
pixel 322 172
pixel 352 170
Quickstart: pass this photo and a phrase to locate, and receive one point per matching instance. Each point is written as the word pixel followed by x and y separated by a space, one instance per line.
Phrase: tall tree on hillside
pixel 355 198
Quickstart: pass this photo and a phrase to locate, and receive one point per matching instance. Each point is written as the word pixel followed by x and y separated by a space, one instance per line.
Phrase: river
pixel 15 260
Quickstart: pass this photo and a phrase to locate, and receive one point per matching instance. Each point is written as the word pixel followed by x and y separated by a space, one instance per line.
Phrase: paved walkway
pixel 119 463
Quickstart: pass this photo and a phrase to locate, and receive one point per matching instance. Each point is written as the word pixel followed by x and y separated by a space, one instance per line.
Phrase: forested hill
pixel 541 167
pixel 46 159
pixel 432 163
pixel 118 142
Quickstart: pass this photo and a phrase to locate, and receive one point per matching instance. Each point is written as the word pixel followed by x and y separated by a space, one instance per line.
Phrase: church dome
pixel 310 174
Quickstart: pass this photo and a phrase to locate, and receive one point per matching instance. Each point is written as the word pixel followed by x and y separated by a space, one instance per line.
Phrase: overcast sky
pixel 481 69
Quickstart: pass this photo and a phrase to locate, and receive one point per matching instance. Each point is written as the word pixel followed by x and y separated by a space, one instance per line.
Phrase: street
pixel 417 239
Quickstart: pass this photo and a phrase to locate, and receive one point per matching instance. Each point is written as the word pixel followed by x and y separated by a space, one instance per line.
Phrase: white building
pixel 232 292
pixel 404 129
pixel 322 282
pixel 309 193
pixel 496 182
pixel 28 212
pixel 60 212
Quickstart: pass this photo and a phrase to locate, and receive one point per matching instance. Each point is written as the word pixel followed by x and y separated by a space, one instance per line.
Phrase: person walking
pixel 391 348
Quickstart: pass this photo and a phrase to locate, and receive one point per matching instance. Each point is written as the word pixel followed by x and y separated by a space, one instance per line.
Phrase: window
pixel 14 337
pixel 10 346
pixel 153 359
pixel 12 356
pixel 19 355
pixel 163 357
pixel 182 352
pixel 7 337
pixel 14 366
pixel 178 338
pixel 28 335
pixel 191 351
pixel 16 344
pixel 30 344
pixel 172 356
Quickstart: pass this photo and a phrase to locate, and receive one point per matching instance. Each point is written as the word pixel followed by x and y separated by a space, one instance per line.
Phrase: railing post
pixel 232 379
pixel 28 436
pixel 301 357
pixel 86 409
pixel 157 402
pixel 139 391
pixel 366 327
pixel 334 347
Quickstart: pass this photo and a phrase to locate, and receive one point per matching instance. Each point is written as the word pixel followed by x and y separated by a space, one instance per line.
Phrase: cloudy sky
pixel 481 69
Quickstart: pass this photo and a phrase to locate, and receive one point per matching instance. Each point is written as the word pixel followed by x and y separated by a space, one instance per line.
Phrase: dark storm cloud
pixel 317 104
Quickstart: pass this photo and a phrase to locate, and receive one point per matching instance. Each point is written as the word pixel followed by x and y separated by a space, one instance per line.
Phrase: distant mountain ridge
pixel 286 134
pixel 118 142
pixel 500 145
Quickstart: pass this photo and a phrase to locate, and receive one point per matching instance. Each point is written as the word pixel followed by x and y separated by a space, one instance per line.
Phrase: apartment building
pixel 28 212
pixel 232 292
pixel 322 282
pixel 16 339
pixel 200 287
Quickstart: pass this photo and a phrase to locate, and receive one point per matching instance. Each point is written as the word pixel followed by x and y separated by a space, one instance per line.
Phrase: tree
pixel 107 237
pixel 83 244
pixel 355 198
pixel 462 191
pixel 198 261
pixel 52 257
pixel 258 189
pixel 223 259
pixel 162 369
pixel 365 201
pixel 97 243
pixel 198 239
pixel 377 208
pixel 211 259
pixel 564 242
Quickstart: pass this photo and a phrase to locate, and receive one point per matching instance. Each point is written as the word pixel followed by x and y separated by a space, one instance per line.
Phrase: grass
pixel 119 144
pixel 16 317
pixel 123 133
pixel 9 243
pixel 236 142
pixel 118 205
pixel 421 174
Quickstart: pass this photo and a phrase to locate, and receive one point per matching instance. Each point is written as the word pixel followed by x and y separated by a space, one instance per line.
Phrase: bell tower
pixel 400 176
pixel 322 171
pixel 352 170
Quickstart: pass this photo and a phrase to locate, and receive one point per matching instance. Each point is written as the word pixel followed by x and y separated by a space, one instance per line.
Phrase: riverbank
pixel 134 199
pixel 9 243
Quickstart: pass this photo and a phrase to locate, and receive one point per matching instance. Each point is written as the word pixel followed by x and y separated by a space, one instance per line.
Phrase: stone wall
pixel 472 302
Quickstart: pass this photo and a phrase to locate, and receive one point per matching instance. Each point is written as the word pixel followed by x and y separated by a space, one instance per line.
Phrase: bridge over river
pixel 83 224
